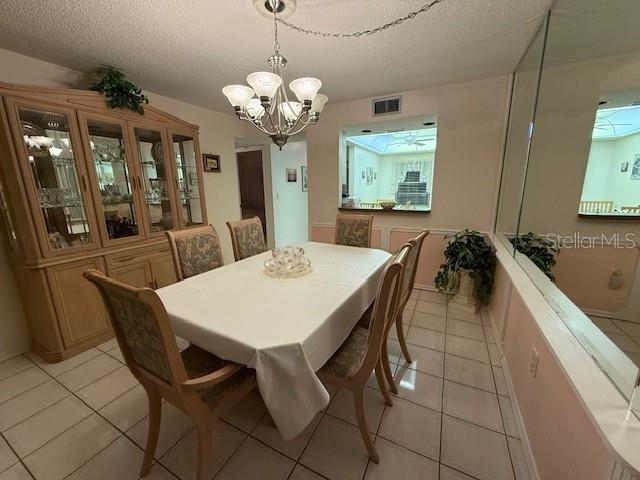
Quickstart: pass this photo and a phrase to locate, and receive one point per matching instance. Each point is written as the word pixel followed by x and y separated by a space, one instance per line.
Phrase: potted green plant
pixel 118 91
pixel 468 269
pixel 541 251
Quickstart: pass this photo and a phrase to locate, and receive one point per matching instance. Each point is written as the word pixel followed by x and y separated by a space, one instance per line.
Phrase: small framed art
pixel 211 162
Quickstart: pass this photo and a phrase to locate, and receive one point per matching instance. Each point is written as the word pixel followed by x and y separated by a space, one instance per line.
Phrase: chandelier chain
pixel 362 33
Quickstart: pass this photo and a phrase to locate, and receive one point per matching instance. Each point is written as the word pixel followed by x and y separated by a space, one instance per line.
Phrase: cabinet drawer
pixel 136 255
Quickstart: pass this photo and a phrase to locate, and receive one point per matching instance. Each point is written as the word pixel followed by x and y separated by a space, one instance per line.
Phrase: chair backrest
pixel 409 274
pixel 195 250
pixel 247 238
pixel 384 308
pixel 353 230
pixel 141 326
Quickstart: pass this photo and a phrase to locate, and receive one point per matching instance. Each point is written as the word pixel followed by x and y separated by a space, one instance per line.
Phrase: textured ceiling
pixel 190 49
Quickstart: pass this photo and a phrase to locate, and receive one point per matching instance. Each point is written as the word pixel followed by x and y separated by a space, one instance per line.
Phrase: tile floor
pixel 86 418
pixel 626 335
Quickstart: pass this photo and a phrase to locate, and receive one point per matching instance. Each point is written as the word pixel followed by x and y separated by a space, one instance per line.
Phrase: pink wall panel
pixel 583 274
pixel 564 441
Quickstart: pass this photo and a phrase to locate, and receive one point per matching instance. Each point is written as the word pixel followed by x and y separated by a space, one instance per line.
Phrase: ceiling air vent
pixel 386 106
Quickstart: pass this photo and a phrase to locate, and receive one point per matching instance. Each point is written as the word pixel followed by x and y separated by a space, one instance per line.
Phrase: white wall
pixel 604 179
pixel 363 159
pixel 217 133
pixel 290 203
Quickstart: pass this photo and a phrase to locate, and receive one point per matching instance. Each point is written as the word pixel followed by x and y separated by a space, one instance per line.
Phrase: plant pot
pixel 464 299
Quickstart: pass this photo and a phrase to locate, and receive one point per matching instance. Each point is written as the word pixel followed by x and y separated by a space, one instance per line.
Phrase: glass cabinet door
pixel 113 177
pixel 187 180
pixel 57 175
pixel 155 175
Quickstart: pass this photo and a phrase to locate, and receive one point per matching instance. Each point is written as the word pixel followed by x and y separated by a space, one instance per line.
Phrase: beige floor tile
pixel 121 460
pixel 108 345
pixel 494 355
pixel 373 381
pixel 33 433
pixel 425 360
pixel 303 473
pixel 461 314
pixel 14 365
pixel 247 413
pixel 411 303
pixel 88 372
pixel 447 473
pixel 488 334
pixel 415 293
pixel 518 459
pixel 624 342
pixel 336 450
pixel 173 426
pixel 16 472
pixel 420 388
pixel 501 383
pixel 116 353
pixel 342 406
pixel 465 329
pixel 412 426
pixel 393 333
pixel 475 450
pixel 473 405
pixel 183 457
pixel 469 372
pixel 21 382
pixel 158 472
pixel 30 402
pixel 435 297
pixel 293 448
pixel 635 357
pixel 605 324
pixel 108 388
pixel 630 328
pixel 7 457
pixel 127 410
pixel 394 350
pixel 426 338
pixel 429 320
pixel 57 369
pixel 407 315
pixel 397 462
pixel 255 460
pixel 73 448
pixel 508 417
pixel 465 347
pixel 431 307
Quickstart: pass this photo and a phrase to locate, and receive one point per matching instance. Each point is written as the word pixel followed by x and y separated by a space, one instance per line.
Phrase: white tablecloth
pixel 284 329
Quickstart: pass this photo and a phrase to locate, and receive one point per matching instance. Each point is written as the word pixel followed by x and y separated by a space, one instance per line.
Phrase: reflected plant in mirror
pixel 468 257
pixel 541 251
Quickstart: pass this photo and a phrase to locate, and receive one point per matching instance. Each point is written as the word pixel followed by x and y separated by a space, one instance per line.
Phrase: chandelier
pixel 266 104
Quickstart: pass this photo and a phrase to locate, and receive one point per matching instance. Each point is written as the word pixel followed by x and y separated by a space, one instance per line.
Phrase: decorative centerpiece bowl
pixel 287 262
pixel 387 205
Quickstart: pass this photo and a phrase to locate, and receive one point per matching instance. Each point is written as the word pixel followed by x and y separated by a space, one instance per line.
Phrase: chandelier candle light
pixel 270 110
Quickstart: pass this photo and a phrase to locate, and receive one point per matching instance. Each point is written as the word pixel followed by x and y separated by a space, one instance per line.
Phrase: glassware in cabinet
pixel 188 182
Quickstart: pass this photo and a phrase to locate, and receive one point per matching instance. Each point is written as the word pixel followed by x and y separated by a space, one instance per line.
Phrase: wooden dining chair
pixel 408 282
pixel 195 250
pixel 353 230
pixel 247 238
pixel 195 381
pixel 356 359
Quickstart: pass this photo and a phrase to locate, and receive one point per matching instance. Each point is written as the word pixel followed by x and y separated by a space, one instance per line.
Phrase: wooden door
pixel 136 275
pixel 163 271
pixel 79 307
pixel 251 185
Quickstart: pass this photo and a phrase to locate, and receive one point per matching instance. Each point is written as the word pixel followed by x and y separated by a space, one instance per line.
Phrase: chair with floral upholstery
pixel 195 250
pixel 351 366
pixel 247 238
pixel 353 230
pixel 194 381
pixel 408 281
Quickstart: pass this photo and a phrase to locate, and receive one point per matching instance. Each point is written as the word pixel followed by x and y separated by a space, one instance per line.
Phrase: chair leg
pixel 401 339
pixel 358 400
pixel 382 384
pixel 204 449
pixel 384 361
pixel 155 416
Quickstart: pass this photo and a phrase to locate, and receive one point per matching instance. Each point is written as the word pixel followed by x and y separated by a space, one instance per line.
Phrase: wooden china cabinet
pixel 84 186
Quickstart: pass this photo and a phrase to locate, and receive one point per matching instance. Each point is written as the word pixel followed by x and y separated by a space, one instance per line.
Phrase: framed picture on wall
pixel 292 174
pixel 635 171
pixel 305 180
pixel 211 162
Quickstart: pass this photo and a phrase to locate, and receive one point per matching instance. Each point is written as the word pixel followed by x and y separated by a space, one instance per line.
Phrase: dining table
pixel 285 329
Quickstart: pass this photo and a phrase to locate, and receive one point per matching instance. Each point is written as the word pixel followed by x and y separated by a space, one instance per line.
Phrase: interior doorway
pixel 251 181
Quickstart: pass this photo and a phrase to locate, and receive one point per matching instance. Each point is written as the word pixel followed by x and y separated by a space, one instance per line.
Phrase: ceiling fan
pixel 411 140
